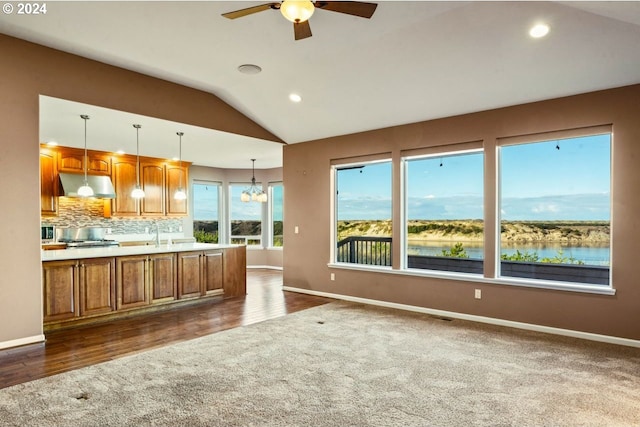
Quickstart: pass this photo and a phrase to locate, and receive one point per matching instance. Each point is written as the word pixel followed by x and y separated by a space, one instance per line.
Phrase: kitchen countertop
pixel 82 253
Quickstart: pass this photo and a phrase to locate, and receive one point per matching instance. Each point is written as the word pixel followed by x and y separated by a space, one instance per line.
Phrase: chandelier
pixel 253 193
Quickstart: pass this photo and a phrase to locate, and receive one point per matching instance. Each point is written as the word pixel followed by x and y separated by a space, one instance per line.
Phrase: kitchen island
pixel 95 284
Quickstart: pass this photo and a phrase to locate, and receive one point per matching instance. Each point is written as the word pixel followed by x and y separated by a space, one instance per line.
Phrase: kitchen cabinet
pixel 189 275
pixel 96 286
pixel 124 180
pixel 60 290
pixel 132 281
pixel 176 176
pixel 200 273
pixel 78 288
pixel 48 182
pixel 212 271
pixel 159 179
pixel 152 182
pixel 72 160
pixel 164 277
pixel 82 290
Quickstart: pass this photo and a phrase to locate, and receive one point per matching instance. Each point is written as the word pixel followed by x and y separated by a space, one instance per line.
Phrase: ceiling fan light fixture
pixel 297 11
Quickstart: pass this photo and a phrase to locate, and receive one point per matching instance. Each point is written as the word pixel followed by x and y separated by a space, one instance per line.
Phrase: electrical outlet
pixel 478 294
pixel 333 276
pixel 296 229
pixel 146 230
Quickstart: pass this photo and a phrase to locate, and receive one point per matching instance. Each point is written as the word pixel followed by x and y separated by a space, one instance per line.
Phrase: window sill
pixel 528 283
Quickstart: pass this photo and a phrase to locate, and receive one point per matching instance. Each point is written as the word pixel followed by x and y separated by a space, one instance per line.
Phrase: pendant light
pixel 85 190
pixel 180 194
pixel 253 193
pixel 138 192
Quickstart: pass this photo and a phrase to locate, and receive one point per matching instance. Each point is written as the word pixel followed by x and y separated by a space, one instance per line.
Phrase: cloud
pixel 578 207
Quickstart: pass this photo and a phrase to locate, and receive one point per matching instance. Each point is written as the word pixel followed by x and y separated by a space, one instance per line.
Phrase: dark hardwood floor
pixel 69 349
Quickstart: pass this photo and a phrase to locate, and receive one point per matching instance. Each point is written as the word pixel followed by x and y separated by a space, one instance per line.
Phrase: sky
pixel 556 180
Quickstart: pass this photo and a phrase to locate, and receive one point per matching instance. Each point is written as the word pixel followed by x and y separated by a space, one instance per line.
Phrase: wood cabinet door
pixel 189 275
pixel 152 182
pixel 176 177
pixel 72 160
pixel 212 271
pixel 124 181
pixel 97 286
pixel 132 281
pixel 60 291
pixel 164 277
pixel 48 183
pixel 235 271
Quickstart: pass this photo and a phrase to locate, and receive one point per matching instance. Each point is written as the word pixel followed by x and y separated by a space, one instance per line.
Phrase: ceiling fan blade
pixel 248 11
pixel 301 30
pixel 355 8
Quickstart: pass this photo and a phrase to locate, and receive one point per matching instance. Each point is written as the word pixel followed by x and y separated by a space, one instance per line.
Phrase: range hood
pixel 101 184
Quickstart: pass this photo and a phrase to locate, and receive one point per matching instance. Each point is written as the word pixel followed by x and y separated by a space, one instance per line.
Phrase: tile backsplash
pixel 77 212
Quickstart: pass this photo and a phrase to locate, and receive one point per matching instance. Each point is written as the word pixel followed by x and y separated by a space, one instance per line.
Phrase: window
pixel 206 209
pixel 276 200
pixel 444 226
pixel 363 213
pixel 555 209
pixel 245 218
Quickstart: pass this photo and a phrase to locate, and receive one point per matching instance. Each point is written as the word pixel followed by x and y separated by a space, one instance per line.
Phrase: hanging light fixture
pixel 138 192
pixel 180 194
pixel 85 190
pixel 253 193
pixel 297 11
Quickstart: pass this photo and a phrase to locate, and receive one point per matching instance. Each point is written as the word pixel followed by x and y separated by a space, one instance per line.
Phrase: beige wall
pixel 307 205
pixel 27 71
pixel 255 257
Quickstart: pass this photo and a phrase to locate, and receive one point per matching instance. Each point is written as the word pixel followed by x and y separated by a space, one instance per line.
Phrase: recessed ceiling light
pixel 539 30
pixel 249 69
pixel 294 97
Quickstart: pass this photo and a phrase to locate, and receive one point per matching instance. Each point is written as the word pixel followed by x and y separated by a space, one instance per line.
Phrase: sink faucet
pixel 157 234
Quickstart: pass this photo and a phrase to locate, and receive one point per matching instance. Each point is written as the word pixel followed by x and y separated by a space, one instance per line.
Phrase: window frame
pixel 540 138
pixel 219 186
pixel 230 236
pixel 454 150
pixel 336 165
pixel 271 230
pixel 491 201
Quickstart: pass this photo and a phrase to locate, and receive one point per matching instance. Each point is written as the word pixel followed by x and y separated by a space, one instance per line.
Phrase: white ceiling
pixel 412 61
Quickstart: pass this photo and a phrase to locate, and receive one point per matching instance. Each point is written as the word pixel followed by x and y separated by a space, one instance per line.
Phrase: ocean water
pixel 590 255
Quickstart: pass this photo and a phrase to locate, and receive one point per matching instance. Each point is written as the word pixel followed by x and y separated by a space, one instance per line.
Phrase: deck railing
pixel 377 251
pixel 365 250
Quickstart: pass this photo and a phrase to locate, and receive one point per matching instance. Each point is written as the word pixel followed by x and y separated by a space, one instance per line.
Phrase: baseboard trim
pixel 267 267
pixel 474 318
pixel 22 341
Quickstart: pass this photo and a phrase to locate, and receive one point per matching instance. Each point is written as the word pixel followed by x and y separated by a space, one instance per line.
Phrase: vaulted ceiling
pixel 412 61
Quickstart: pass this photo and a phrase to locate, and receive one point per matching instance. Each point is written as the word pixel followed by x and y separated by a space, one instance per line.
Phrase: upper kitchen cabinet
pixel 72 160
pixel 177 176
pixel 159 179
pixel 48 182
pixel 153 183
pixel 123 175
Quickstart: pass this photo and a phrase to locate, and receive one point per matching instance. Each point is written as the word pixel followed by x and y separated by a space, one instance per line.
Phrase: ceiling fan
pixel 299 12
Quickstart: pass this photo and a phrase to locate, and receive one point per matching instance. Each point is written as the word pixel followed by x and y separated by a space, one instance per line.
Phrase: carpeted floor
pixel 344 364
